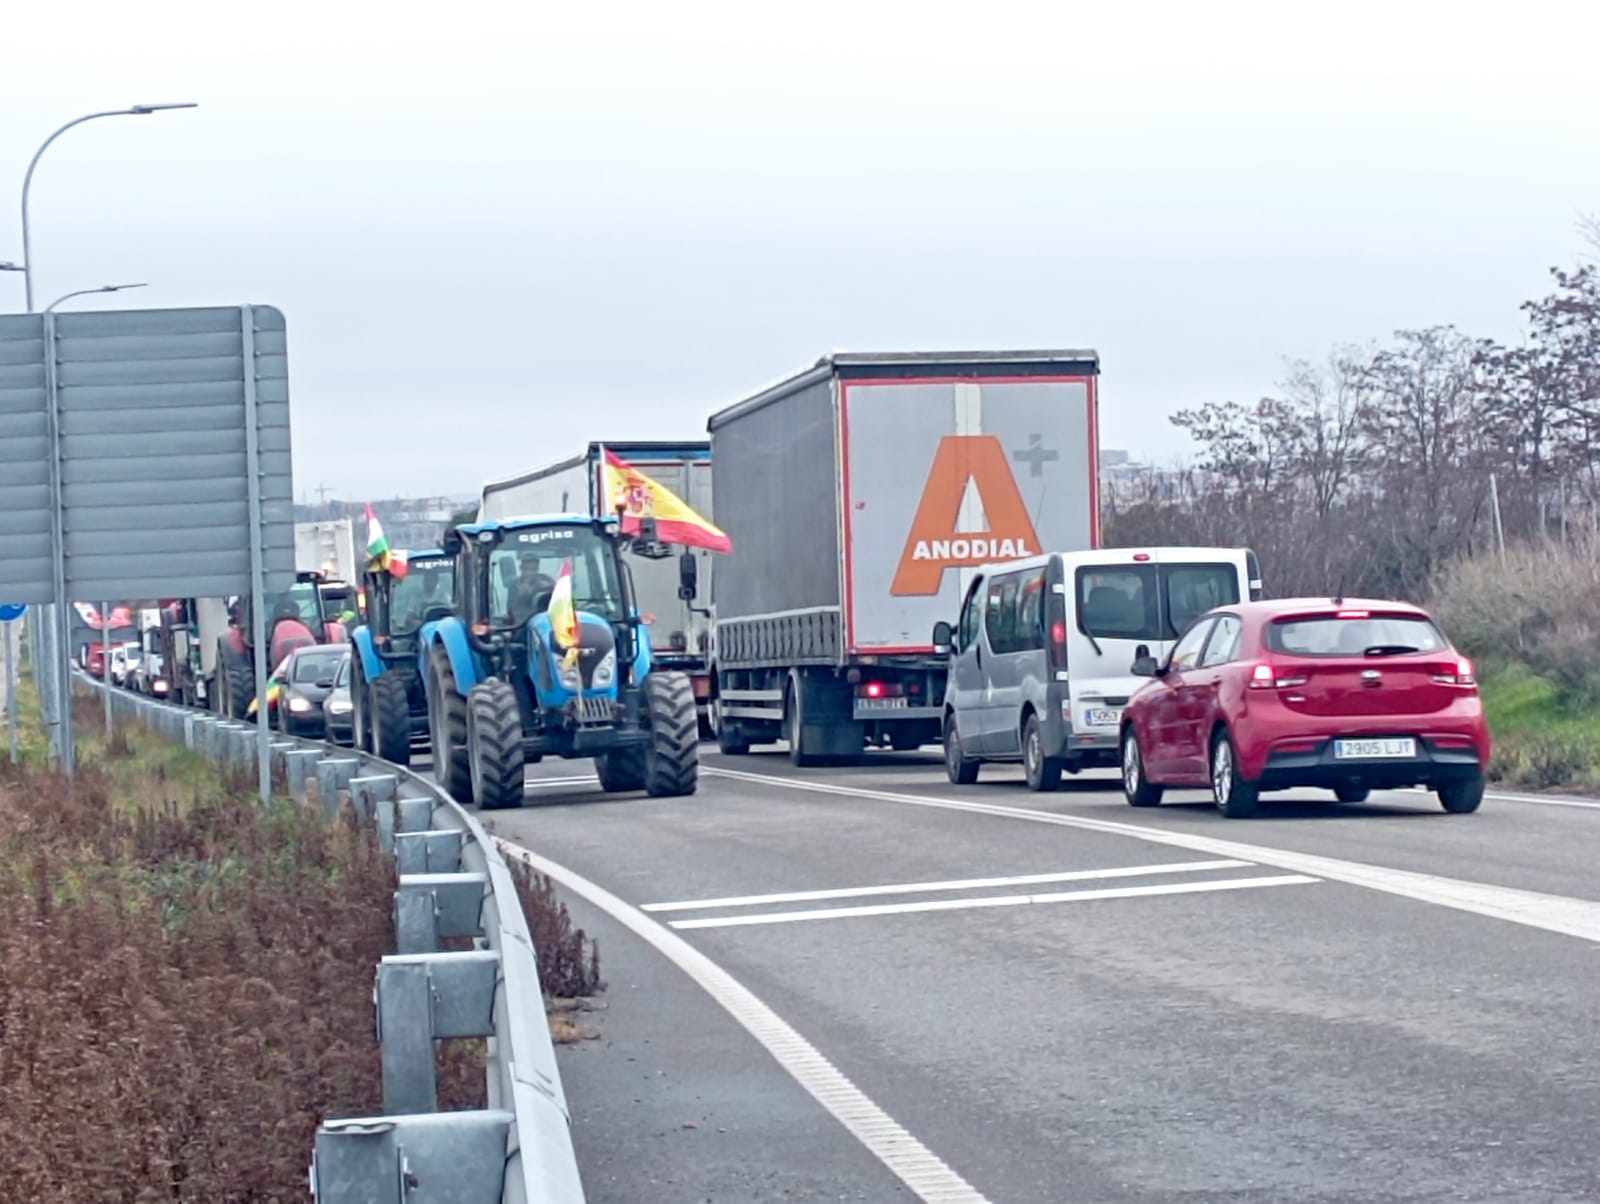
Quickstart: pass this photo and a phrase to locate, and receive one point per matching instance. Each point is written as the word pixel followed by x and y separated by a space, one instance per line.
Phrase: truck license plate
pixel 1345 750
pixel 898 703
pixel 1102 717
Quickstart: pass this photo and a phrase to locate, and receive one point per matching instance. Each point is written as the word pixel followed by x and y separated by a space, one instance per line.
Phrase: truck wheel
pixel 390 719
pixel 494 744
pixel 620 771
pixel 794 729
pixel 447 728
pixel 672 758
pixel 239 688
pixel 730 740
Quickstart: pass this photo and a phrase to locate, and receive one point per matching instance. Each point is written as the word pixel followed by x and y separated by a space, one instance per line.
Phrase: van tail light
pixel 1265 677
pixel 1459 674
pixel 1058 632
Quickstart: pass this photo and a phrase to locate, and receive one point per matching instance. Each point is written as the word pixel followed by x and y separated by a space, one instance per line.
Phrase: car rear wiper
pixel 1093 643
pixel 1389 650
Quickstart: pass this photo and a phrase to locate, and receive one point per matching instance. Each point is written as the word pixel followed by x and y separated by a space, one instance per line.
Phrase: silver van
pixel 1041 658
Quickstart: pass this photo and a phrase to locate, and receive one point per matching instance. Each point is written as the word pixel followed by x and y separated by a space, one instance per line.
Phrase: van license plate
pixel 899 703
pixel 1345 750
pixel 1102 717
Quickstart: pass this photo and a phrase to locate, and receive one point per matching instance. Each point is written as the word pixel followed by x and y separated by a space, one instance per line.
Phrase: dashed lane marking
pixel 911 888
pixel 1065 896
pixel 1552 913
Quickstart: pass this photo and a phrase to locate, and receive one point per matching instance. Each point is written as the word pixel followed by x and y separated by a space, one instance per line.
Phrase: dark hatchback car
pixel 309 674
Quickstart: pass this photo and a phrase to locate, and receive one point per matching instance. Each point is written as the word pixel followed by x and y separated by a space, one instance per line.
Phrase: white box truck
pixel 859 496
pixel 327 547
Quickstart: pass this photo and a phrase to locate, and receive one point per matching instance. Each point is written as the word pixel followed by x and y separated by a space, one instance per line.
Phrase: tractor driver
pixel 531 591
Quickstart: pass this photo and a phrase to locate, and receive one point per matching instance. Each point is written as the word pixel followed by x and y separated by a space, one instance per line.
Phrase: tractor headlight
pixel 605 671
pixel 570 677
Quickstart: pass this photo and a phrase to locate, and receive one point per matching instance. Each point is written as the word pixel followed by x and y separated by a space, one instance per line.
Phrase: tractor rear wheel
pixel 494 744
pixel 240 689
pixel 390 717
pixel 447 728
pixel 672 758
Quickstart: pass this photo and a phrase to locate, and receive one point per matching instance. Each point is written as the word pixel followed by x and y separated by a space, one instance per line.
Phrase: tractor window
pixel 299 603
pixel 524 569
pixel 427 584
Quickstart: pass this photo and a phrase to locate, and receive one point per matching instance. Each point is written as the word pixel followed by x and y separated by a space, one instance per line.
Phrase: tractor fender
pixel 451 633
pixel 231 645
pixel 372 665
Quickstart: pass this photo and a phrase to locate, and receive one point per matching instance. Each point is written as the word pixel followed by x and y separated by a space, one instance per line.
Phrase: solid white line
pixel 1064 896
pixel 1544 801
pixel 912 1162
pixel 1552 913
pixel 581 780
pixel 909 888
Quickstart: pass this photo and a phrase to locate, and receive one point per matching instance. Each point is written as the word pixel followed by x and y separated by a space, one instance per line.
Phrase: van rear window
pixel 1374 635
pixel 1151 602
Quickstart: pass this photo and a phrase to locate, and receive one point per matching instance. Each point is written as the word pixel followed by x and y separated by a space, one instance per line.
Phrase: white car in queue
pixel 1041 658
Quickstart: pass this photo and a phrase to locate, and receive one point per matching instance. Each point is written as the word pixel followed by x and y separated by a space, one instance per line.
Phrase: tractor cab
pixel 397 607
pixel 514 580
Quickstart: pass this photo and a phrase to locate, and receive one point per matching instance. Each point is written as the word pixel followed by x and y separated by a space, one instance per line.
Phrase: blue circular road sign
pixel 12 610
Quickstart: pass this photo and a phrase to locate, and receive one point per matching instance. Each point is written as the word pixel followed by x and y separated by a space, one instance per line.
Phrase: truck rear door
pixel 944 473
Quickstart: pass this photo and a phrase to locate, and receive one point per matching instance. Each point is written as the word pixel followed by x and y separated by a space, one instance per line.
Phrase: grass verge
pixel 1545 737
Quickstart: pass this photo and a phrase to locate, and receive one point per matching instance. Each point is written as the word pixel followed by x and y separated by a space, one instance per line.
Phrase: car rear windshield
pixel 316 668
pixel 1371 635
pixel 1151 602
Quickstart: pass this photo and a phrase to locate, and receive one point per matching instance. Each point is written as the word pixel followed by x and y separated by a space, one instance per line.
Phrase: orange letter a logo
pixel 934 545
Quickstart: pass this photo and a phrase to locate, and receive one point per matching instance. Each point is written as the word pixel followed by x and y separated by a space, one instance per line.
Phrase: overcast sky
pixel 499 231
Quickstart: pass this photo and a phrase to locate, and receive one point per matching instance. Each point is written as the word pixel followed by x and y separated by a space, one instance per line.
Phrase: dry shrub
pixel 569 962
pixel 185 992
pixel 1536 609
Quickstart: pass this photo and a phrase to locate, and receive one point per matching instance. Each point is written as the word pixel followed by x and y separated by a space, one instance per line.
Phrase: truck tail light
pixel 880 689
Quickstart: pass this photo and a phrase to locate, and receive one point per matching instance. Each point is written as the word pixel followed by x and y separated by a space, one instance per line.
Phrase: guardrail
pixel 452 883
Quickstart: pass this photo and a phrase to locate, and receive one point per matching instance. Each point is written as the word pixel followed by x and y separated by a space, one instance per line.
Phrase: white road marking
pixel 1552 913
pixel 1545 800
pixel 1064 896
pixel 911 888
pixel 581 780
pixel 928 1177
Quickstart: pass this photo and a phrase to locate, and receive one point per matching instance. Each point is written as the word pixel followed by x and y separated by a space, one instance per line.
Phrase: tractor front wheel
pixel 672 758
pixel 390 719
pixel 447 728
pixel 494 744
pixel 239 692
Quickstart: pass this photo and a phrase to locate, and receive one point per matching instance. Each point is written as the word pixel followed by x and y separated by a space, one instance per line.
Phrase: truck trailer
pixel 860 496
pixel 327 547
pixel 680 628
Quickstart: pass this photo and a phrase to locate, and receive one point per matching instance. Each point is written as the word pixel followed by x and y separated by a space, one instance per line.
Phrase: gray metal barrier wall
pixel 452 883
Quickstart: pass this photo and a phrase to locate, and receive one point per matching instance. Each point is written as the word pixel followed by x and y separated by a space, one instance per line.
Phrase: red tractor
pixel 309 613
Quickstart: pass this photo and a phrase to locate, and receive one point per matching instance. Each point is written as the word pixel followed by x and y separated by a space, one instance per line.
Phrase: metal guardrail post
pixel 452 883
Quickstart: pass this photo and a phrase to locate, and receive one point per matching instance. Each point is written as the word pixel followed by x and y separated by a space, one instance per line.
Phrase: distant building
pixel 408 523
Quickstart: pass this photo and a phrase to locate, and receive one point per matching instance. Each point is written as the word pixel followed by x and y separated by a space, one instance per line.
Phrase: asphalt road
pixel 1339 1003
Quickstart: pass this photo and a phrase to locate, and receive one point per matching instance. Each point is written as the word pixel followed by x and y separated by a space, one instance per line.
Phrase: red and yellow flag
pixel 638 497
pixel 563 615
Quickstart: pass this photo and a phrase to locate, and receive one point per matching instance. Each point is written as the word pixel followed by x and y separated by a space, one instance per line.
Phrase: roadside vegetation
pixel 186 976
pixel 1438 468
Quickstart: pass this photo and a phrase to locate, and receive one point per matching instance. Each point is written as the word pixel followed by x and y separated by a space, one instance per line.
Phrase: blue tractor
pixel 503 691
pixel 389 706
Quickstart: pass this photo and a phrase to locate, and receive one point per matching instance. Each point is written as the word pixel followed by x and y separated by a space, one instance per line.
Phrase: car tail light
pixel 1265 677
pixel 1460 674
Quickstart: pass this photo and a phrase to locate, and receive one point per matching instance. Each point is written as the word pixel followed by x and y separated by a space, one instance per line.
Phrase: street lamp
pixel 27 180
pixel 84 292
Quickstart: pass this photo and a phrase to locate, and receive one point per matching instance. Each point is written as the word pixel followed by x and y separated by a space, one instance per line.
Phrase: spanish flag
pixel 563 616
pixel 637 498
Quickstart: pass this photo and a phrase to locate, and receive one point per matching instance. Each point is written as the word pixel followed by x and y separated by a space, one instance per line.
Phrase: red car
pixel 1351 696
